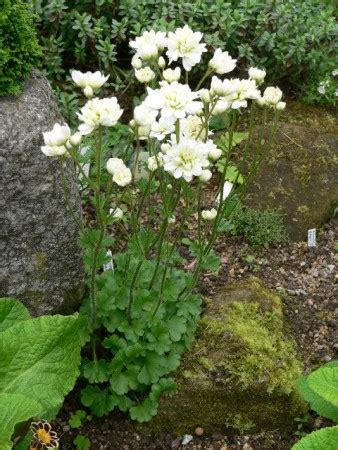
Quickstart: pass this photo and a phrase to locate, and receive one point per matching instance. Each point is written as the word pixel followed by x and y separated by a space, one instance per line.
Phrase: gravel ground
pixel 305 278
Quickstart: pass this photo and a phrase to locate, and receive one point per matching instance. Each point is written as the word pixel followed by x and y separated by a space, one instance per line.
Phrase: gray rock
pixel 41 262
pixel 299 178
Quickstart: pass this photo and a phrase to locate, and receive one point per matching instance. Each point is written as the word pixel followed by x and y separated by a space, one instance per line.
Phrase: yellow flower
pixel 44 436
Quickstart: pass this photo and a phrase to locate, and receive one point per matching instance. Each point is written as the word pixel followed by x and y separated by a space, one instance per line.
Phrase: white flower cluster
pixel 171 113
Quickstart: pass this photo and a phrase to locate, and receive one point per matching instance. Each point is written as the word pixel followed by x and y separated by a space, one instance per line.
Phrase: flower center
pixel 187 158
pixel 43 436
pixel 185 47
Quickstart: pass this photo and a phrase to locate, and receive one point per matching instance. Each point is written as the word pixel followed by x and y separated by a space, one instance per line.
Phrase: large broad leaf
pixel 11 312
pixel 324 382
pixel 39 358
pixel 317 403
pixel 15 408
pixel 324 439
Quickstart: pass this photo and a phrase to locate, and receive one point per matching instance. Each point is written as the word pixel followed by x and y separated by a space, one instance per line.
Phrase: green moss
pixel 242 370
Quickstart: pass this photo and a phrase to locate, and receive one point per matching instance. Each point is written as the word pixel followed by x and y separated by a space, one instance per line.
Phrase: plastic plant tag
pixel 110 263
pixel 311 238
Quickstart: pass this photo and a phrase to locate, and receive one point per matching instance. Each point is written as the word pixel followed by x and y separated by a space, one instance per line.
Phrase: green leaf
pixel 76 419
pixel 177 326
pixel 41 357
pixel 96 371
pixel 11 312
pixel 324 382
pixel 324 439
pixel 14 409
pixel 211 262
pixel 99 401
pixel 153 368
pixel 121 382
pixel 317 403
pixel 144 411
pixel 81 442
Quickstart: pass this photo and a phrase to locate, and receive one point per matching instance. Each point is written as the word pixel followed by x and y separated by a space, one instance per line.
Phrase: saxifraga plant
pixel 145 181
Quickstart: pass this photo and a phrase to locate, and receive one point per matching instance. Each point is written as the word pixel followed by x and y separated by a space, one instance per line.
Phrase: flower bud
pixel 205 95
pixel 205 175
pixel 136 62
pixel 209 214
pixel 88 91
pixel 76 139
pixel 148 51
pixel 172 220
pixel 257 74
pixel 215 153
pixel 171 75
pixel 161 62
pixel 145 75
pixel 165 147
pixel 280 106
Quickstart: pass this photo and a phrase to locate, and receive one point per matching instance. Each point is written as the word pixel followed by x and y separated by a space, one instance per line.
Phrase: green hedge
pixel 19 49
pixel 292 39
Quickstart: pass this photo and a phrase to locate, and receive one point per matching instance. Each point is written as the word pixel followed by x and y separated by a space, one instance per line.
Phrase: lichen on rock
pixel 242 369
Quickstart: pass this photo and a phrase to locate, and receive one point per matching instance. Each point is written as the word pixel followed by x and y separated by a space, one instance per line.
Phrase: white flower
pixel 59 135
pixel 209 214
pixel 257 74
pixel 136 62
pixel 204 95
pixel 143 115
pixel 336 92
pixel 161 62
pixel 105 112
pixel 154 162
pixel 227 188
pixel 321 89
pixel 185 44
pixel 149 44
pixel 165 147
pixel 117 213
pixel 334 72
pixel 89 81
pixel 54 150
pixel 115 164
pixel 174 100
pixel 225 88
pixel 172 220
pixel 280 106
pixel 192 127
pixel 205 176
pixel 186 159
pixel 222 62
pixel 162 128
pixel 234 93
pixel 76 139
pixel 272 95
pixel 171 75
pixel 220 107
pixel 122 176
pixel 145 75
pixel 245 89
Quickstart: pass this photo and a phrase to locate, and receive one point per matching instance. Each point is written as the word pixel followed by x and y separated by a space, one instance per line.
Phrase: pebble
pixel 199 431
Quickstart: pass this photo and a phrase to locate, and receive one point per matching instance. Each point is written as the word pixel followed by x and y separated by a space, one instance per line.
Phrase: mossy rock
pixel 300 175
pixel 241 371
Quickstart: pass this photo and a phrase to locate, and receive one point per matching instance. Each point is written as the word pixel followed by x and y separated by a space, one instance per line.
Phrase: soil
pixel 305 279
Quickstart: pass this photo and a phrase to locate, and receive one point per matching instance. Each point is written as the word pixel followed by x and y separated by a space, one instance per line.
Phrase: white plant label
pixel 311 238
pixel 110 264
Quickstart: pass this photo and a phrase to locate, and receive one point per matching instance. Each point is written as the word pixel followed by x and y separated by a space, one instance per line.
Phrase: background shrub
pixel 259 228
pixel 289 38
pixel 19 49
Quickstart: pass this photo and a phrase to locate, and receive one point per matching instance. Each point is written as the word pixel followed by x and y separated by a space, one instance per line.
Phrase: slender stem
pixel 97 247
pixel 66 196
pixel 207 73
pixel 131 290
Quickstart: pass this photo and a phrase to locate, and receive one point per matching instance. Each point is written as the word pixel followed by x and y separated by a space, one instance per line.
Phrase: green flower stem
pixel 78 165
pixel 137 152
pixel 207 73
pixel 131 290
pixel 94 267
pixel 159 251
pixel 66 196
